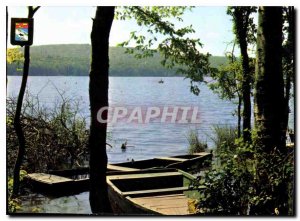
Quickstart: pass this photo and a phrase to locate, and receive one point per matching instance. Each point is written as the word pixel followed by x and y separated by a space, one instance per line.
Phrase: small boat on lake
pixel 152 192
pixel 58 182
pixel 161 81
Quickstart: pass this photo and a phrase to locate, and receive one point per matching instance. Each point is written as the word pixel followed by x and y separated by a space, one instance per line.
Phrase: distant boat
pixel 161 81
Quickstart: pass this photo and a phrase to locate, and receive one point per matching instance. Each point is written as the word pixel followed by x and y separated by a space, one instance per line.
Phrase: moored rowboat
pixel 151 192
pixel 77 180
pixel 189 162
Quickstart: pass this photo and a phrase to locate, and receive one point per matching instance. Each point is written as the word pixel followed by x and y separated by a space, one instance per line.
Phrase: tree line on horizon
pixel 74 60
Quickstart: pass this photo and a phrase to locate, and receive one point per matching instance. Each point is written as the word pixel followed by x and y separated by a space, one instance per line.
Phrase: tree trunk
pixel 269 98
pixel 269 87
pixel 17 120
pixel 98 91
pixel 17 123
pixel 241 22
pixel 246 89
pixel 239 115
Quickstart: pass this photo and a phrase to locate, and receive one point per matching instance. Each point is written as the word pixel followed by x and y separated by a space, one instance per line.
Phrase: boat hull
pixel 161 192
pixel 77 180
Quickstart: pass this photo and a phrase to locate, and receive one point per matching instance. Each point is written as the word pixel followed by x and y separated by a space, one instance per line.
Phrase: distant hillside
pixel 74 60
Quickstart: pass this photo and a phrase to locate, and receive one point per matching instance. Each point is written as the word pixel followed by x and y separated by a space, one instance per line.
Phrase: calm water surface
pixel 146 140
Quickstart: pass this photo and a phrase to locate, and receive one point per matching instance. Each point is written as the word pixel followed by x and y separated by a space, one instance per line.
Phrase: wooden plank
pixel 167 205
pixel 159 197
pixel 191 156
pixel 183 203
pixel 142 175
pixel 165 190
pixel 170 201
pixel 171 159
pixel 48 178
pixel 202 154
pixel 174 211
pixel 179 209
pixel 164 197
pixel 144 171
pixel 120 168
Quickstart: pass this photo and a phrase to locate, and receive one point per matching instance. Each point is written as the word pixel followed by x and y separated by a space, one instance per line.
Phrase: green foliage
pixel 125 13
pixel 243 22
pixel 224 138
pixel 14 204
pixel 14 55
pixel 177 49
pixel 227 189
pixel 74 60
pixel 195 144
pixel 247 181
pixel 228 79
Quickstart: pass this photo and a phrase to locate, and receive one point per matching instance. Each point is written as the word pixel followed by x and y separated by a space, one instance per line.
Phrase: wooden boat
pixel 71 181
pixel 151 192
pixel 59 185
pixel 189 162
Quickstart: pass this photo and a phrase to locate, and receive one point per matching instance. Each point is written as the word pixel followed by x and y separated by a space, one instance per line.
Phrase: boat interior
pixel 166 191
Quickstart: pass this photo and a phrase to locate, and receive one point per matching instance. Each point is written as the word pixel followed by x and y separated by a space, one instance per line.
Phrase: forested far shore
pixel 74 60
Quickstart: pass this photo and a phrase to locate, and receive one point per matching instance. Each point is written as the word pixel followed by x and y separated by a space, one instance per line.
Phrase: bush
pixel 228 185
pixel 195 144
pixel 224 141
pixel 248 181
pixel 224 136
pixel 14 204
pixel 55 138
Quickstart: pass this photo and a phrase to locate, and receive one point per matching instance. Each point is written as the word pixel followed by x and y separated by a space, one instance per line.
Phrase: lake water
pixel 147 140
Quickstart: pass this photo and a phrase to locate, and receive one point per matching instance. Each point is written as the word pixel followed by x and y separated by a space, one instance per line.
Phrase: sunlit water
pixel 145 141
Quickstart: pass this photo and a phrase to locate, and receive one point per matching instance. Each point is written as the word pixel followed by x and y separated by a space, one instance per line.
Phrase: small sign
pixel 21 31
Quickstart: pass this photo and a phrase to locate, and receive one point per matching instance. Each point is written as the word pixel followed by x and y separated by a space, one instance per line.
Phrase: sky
pixel 72 24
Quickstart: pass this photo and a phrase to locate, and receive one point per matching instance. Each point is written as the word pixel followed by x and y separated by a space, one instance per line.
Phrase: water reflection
pixel 37 203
